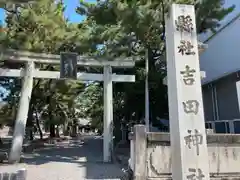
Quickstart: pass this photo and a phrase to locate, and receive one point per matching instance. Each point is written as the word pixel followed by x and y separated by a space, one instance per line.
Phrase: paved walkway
pixel 69 160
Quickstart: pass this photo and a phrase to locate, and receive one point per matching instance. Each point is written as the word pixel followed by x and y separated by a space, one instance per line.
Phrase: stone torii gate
pixel 30 72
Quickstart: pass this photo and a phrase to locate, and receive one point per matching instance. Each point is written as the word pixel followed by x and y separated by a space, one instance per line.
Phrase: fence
pixel 224 126
pixel 219 126
pixel 16 175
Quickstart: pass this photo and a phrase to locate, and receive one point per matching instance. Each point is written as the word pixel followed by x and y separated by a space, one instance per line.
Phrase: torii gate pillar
pixel 22 113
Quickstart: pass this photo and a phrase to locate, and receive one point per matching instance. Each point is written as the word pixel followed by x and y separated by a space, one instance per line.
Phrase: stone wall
pixel 151 155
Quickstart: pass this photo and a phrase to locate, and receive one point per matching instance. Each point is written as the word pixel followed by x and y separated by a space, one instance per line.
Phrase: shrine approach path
pixel 73 159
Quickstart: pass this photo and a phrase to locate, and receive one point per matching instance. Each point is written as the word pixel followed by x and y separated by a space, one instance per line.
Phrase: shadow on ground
pixel 86 153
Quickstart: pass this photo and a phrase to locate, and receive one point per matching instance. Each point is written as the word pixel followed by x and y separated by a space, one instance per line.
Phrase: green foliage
pixel 90 104
pixel 121 22
pixel 129 28
pixel 41 27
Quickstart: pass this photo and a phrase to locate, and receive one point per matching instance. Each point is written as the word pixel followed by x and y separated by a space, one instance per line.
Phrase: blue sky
pixel 70 10
pixel 69 13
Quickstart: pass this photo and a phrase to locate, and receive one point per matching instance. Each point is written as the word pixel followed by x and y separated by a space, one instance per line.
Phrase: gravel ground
pixel 68 160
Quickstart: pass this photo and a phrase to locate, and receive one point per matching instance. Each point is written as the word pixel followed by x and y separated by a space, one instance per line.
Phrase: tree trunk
pixel 65 129
pixel 39 127
pixel 31 135
pixel 57 131
pixel 30 123
pixel 74 128
pixel 52 125
pixel 52 130
pixel 38 124
pixel 74 131
pixel 1 142
pixel 117 133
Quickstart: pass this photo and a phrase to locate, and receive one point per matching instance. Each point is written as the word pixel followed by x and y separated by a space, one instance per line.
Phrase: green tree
pixel 41 27
pixel 129 28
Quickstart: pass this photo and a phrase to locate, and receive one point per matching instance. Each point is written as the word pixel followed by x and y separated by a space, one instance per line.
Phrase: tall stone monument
pixel 187 127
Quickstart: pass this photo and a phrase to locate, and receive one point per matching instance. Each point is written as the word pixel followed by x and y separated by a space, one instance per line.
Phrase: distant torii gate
pixel 29 72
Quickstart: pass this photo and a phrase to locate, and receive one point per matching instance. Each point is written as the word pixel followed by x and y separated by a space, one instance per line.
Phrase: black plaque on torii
pixel 68 65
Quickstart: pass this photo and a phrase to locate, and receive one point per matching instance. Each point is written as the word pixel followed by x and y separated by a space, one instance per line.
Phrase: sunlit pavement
pixel 69 160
